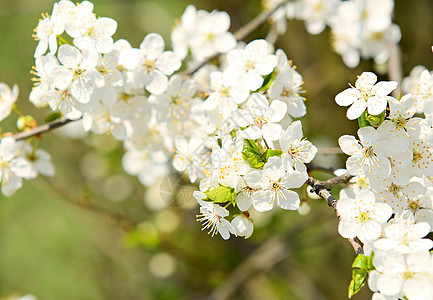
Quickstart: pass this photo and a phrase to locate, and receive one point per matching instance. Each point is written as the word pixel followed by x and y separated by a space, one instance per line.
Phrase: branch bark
pixel 322 189
pixel 39 130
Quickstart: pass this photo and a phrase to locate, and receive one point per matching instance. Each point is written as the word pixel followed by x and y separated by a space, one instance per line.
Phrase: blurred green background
pixel 55 250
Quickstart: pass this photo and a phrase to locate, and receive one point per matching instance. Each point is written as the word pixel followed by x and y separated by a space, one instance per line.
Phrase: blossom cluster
pixel 248 159
pixel 359 28
pixel 231 128
pixel 18 160
pixel 389 203
pixel 225 122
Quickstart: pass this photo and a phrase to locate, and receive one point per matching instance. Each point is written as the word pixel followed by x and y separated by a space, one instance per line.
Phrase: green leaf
pixel 254 160
pixel 267 80
pixel 362 120
pixel 359 278
pixel 252 146
pixel 52 117
pixel 375 121
pixel 221 194
pixel 399 96
pixel 370 262
pixel 361 262
pixel 271 152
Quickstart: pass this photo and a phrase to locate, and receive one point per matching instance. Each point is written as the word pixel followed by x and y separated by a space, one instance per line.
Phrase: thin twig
pixel 322 189
pixel 329 150
pixel 272 35
pixel 39 130
pixel 241 34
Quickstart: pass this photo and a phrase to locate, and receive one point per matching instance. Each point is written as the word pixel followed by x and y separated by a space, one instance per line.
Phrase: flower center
pixel 417 156
pixel 362 182
pixel 260 121
pixel 78 72
pixel 225 92
pixel 400 122
pixel 364 217
pixel 395 189
pixel 249 65
pixel 210 37
pixel 90 31
pixel 414 206
pixel 368 151
pixel 149 65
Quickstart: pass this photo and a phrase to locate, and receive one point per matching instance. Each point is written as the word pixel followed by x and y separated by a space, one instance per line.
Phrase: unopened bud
pixel 26 122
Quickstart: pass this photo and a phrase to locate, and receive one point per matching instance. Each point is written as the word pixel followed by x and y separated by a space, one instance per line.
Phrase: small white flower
pixel 151 64
pixel 243 225
pixel 274 183
pixel 187 157
pixel 366 94
pixel 362 216
pixel 369 157
pixel 44 66
pixel 212 217
pixel 300 151
pixel 12 167
pixel 287 87
pixel 251 63
pixel 77 73
pixel 261 118
pixel 7 99
pixel 225 95
pixel 49 27
pixel 405 237
pixel 211 35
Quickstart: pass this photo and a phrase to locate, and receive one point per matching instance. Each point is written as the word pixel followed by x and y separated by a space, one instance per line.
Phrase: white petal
pixel 153 45
pixel 366 81
pixel 349 144
pixel 279 109
pixel 356 109
pixel 158 83
pixel 347 97
pixel 383 88
pixel 376 105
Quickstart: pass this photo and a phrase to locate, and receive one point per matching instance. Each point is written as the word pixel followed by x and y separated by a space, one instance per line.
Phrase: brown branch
pixel 241 34
pixel 329 150
pixel 322 189
pixel 39 130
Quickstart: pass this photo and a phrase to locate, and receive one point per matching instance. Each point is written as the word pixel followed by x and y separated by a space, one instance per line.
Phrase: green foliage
pixel 270 152
pixel 221 194
pixel 370 120
pixel 359 278
pixel 362 265
pixel 256 156
pixel 267 80
pixel 52 117
pixel 252 154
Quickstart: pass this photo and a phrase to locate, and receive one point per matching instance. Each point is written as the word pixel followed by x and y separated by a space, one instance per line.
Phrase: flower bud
pixel 243 225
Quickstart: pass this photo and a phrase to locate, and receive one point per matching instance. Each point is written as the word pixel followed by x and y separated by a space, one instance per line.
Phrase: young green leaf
pixel 221 194
pixel 359 278
pixel 270 153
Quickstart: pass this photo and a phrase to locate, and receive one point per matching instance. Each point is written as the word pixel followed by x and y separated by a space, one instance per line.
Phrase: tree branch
pixel 322 189
pixel 39 130
pixel 241 34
